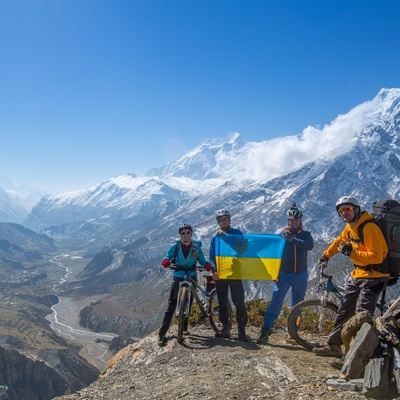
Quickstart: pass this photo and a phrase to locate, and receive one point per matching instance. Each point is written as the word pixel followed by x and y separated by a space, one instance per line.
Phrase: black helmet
pixel 185 226
pixel 347 200
pixel 294 212
pixel 222 213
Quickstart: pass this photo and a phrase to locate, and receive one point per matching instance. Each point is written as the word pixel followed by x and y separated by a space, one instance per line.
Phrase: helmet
pixel 347 200
pixel 185 226
pixel 222 213
pixel 294 212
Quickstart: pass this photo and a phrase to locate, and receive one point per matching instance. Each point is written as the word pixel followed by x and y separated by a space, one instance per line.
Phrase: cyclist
pixel 236 286
pixel 370 274
pixel 185 252
pixel 293 272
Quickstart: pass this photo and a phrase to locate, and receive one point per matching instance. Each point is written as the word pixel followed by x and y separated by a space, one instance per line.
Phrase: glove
pixel 165 263
pixel 345 248
pixel 323 260
pixel 208 267
pixel 287 236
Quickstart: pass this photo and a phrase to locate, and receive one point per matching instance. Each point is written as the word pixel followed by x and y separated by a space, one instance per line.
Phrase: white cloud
pixel 269 159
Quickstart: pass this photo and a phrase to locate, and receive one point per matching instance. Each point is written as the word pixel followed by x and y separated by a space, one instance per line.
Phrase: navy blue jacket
pixel 294 258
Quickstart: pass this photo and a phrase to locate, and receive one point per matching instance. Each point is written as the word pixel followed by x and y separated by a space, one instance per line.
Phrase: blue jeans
pixel 298 283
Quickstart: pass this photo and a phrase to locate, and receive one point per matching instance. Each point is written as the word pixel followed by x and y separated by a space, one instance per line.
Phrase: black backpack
pixel 387 216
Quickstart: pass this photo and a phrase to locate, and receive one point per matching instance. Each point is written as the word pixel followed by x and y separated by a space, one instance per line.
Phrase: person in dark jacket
pixel 224 285
pixel 293 272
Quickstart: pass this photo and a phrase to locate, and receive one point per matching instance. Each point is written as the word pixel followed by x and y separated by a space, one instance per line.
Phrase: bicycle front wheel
pixel 182 312
pixel 309 323
pixel 213 311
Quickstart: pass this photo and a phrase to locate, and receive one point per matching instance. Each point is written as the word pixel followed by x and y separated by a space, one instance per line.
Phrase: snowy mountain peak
pixel 356 153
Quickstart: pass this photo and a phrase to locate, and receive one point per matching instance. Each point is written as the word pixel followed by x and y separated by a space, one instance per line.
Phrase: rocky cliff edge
pixel 204 367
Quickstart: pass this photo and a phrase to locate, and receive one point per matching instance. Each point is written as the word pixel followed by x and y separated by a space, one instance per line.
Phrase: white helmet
pixel 222 213
pixel 347 200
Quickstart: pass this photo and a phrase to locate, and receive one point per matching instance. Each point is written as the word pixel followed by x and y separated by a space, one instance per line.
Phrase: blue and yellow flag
pixel 248 256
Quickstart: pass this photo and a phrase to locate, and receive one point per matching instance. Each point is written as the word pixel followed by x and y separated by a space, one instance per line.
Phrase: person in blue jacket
pixel 224 285
pixel 185 252
pixel 293 272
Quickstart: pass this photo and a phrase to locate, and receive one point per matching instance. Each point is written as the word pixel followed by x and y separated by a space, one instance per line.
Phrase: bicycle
pixel 310 321
pixel 208 305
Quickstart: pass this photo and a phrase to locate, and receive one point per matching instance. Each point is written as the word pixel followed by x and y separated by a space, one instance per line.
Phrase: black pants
pixel 172 301
pixel 360 295
pixel 237 294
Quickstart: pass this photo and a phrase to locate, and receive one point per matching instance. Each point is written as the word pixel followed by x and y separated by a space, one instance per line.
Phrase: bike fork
pixel 322 316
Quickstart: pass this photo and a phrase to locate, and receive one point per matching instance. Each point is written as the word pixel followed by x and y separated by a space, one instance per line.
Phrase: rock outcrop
pixel 205 367
pixel 25 377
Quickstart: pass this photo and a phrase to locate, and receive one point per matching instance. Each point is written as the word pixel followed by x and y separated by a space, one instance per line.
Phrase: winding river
pixel 65 321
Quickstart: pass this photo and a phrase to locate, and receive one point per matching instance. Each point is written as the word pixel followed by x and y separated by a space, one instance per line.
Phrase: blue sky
pixel 91 89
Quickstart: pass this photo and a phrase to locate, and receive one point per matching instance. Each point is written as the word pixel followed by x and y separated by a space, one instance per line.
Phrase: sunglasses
pixel 345 210
pixel 224 219
pixel 186 233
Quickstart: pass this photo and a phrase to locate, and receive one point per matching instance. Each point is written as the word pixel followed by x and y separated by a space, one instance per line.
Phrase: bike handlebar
pixel 322 266
pixel 183 268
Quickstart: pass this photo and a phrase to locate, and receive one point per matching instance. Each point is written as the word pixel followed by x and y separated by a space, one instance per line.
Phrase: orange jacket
pixel 373 251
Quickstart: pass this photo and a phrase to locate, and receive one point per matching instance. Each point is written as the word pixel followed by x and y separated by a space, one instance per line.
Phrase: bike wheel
pixel 213 311
pixel 309 323
pixel 182 312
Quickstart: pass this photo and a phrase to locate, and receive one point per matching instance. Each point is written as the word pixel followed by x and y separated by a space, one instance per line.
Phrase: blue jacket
pixel 212 247
pixel 294 258
pixel 186 262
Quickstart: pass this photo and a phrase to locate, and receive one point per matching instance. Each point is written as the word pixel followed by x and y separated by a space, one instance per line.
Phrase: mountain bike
pixel 310 321
pixel 208 302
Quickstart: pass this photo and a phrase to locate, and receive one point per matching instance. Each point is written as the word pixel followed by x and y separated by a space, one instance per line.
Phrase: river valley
pixel 64 319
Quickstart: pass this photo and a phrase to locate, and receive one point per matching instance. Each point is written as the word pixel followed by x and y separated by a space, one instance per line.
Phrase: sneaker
pixel 264 336
pixel 162 341
pixel 337 364
pixel 225 333
pixel 331 350
pixel 242 335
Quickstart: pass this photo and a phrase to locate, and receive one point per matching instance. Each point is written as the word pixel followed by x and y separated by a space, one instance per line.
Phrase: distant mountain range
pixel 358 153
pixel 127 223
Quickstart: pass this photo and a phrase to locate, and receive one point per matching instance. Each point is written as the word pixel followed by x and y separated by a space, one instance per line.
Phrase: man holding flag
pixel 235 285
pixel 293 271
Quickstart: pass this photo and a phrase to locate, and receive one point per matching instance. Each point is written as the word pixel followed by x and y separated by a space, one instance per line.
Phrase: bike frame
pixel 329 287
pixel 193 287
pixel 320 312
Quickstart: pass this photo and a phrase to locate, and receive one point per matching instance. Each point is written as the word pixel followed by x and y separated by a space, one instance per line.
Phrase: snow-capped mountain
pixel 12 208
pixel 357 153
pixel 17 201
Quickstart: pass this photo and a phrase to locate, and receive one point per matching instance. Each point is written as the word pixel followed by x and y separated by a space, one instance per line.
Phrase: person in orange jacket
pixel 370 274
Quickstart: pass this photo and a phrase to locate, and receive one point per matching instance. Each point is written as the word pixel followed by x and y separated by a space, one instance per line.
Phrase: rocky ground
pixel 205 367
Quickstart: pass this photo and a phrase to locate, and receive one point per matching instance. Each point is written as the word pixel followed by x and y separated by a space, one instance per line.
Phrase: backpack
pixel 173 259
pixel 386 215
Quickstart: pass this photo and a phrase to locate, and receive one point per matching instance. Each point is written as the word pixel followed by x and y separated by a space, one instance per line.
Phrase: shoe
pixel 331 350
pixel 264 336
pixel 225 333
pixel 337 364
pixel 242 334
pixel 162 341
pixel 186 332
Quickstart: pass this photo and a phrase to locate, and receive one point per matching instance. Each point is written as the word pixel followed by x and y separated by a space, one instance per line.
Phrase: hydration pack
pixel 386 215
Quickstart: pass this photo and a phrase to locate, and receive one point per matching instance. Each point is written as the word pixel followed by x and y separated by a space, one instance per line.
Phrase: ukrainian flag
pixel 248 256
